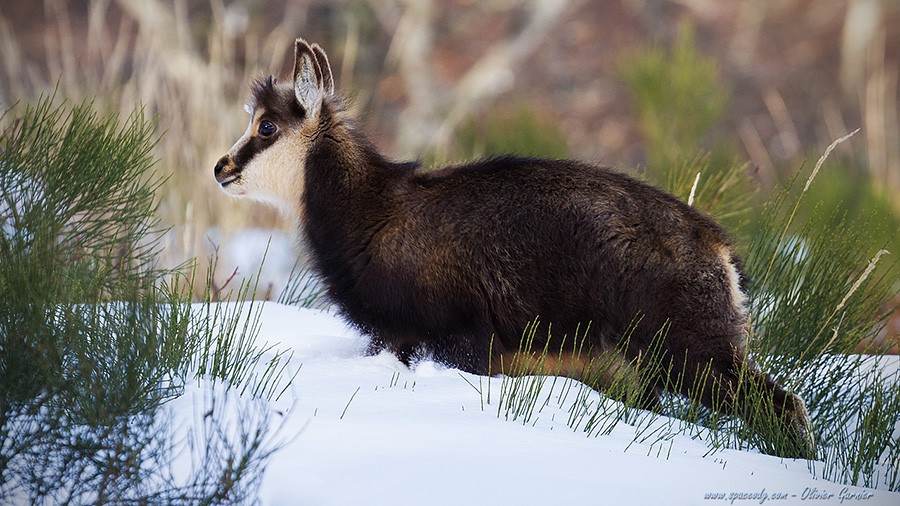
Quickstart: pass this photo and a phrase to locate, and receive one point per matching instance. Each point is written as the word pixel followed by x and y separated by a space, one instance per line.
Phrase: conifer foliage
pixel 94 336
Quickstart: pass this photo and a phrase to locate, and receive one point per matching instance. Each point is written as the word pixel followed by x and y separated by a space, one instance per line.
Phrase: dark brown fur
pixel 441 261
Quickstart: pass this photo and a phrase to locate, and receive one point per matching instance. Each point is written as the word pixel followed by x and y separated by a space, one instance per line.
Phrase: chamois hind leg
pixel 762 402
pixel 607 371
pixel 730 383
pixel 627 379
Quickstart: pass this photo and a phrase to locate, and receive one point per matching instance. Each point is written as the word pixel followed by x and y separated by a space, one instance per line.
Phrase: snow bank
pixel 368 430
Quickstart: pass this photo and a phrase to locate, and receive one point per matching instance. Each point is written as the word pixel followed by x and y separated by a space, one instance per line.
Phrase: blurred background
pixel 635 84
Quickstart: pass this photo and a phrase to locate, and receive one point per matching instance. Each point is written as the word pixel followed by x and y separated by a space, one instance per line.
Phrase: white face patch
pixel 275 174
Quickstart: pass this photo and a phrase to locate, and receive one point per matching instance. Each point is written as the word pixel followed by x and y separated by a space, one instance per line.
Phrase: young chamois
pixel 455 262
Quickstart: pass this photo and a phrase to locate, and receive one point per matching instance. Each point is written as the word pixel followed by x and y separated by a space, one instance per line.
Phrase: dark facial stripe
pixel 252 147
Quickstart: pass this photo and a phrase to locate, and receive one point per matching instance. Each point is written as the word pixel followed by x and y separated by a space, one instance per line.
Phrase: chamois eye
pixel 266 128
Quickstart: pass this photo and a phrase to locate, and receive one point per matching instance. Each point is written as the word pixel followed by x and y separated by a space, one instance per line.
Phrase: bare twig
pixel 215 288
pixel 494 73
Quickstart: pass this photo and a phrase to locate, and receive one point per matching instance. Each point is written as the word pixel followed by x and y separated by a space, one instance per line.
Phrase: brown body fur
pixel 455 262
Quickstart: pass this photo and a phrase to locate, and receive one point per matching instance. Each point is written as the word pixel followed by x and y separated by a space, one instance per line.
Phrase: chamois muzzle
pixel 226 171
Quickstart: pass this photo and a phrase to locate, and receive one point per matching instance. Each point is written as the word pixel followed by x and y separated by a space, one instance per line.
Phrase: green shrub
pixel 518 130
pixel 94 336
pixel 676 98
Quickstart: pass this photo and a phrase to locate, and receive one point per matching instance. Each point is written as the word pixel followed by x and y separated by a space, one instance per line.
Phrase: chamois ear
pixel 309 86
pixel 327 76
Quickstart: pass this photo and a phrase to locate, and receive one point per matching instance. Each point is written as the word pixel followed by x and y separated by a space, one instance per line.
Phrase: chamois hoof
pixel 801 442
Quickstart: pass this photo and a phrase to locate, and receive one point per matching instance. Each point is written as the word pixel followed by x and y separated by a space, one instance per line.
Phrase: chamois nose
pixel 221 164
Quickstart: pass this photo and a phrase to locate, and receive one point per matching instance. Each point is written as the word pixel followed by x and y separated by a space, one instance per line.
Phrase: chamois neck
pixel 350 193
pixel 348 182
pixel 347 162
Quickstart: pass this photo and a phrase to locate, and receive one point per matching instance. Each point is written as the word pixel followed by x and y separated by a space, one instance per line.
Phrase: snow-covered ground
pixel 367 430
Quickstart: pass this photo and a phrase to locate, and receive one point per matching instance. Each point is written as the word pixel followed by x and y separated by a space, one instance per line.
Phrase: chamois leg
pixel 467 351
pixel 731 384
pixel 404 349
pixel 627 379
pixel 620 371
pixel 776 406
pixel 608 371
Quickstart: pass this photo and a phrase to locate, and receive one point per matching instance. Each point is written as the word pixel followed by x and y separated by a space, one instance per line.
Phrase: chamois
pixel 455 262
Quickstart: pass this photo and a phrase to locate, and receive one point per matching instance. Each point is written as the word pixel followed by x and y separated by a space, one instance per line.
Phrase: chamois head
pixel 267 162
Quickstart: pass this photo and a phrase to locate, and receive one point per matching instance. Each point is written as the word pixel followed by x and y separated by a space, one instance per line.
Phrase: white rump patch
pixel 738 297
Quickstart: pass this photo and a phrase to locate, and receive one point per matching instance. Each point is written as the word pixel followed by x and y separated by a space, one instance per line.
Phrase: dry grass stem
pixel 793 214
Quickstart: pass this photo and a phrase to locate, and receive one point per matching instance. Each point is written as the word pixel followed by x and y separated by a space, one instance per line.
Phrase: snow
pixel 360 429
pixel 265 256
